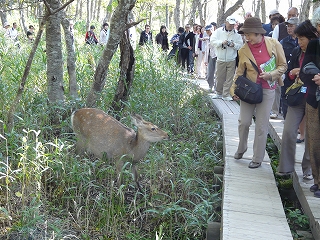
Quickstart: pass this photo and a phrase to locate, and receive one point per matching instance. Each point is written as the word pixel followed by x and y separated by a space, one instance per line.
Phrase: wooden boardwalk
pixel 251 204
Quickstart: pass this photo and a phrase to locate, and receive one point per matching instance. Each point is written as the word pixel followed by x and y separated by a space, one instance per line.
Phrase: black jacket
pixel 162 39
pixel 293 63
pixel 312 54
pixel 144 38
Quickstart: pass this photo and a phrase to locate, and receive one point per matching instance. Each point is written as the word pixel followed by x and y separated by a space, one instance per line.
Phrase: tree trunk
pixel 80 9
pixel 151 14
pixel 177 14
pixel 71 59
pixel 126 73
pixel 193 12
pixel 184 12
pixel 98 11
pixel 15 103
pixel 108 13
pixel 263 12
pixel 222 14
pixel 22 20
pixel 277 4
pixel 201 16
pixel 257 11
pixel 88 15
pixel 54 55
pixel 117 26
pixel 10 121
pixel 92 10
pixel 305 10
pixel 77 10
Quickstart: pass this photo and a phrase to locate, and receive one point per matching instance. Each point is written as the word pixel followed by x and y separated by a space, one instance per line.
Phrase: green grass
pixel 47 191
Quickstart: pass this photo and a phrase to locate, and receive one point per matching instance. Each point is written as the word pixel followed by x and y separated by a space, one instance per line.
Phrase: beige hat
pixel 273 12
pixel 252 25
pixel 293 21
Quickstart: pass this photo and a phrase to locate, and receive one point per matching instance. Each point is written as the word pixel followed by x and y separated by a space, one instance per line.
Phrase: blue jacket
pixel 267 27
pixel 288 44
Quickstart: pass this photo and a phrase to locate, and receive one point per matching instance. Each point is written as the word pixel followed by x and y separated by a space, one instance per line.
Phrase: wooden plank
pixel 309 203
pixel 251 205
pixel 251 201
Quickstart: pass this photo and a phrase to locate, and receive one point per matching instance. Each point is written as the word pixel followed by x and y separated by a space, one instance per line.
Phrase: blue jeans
pixel 191 62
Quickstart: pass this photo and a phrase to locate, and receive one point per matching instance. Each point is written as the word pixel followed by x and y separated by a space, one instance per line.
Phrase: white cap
pixel 231 20
pixel 6 24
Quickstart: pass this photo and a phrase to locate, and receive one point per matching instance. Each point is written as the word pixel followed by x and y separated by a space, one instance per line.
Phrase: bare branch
pixel 129 25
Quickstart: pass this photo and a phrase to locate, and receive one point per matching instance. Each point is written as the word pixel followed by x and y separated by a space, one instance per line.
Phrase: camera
pixel 228 44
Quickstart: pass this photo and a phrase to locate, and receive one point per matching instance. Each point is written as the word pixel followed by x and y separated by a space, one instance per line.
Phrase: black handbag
pixel 248 91
pixel 293 94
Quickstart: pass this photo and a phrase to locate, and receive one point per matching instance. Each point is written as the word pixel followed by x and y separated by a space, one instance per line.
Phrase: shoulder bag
pixel 295 94
pixel 248 91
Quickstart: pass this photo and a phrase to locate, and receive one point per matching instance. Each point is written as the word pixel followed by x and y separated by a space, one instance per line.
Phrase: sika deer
pixel 100 133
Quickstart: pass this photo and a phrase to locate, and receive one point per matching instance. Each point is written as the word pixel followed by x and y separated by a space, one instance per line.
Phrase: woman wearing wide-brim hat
pixel 259 49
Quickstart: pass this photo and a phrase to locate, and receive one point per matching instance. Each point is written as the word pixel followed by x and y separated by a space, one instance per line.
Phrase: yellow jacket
pixel 274 48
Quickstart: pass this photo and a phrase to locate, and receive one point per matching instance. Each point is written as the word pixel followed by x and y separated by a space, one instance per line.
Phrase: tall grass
pixel 48 192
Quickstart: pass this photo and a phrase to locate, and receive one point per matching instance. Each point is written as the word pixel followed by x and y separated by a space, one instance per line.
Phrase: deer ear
pixel 136 119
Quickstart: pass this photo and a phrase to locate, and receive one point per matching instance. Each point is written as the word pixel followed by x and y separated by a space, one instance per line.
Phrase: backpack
pixel 91 39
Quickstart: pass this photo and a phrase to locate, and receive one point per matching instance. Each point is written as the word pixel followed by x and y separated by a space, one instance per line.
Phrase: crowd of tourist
pixel 221 54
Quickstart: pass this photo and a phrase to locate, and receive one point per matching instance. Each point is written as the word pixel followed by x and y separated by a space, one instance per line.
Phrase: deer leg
pixel 119 166
pixel 136 177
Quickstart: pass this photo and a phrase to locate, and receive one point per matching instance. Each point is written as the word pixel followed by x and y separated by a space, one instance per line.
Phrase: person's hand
pixel 295 71
pixel 316 79
pixel 235 98
pixel 189 47
pixel 225 42
pixel 205 63
pixel 265 75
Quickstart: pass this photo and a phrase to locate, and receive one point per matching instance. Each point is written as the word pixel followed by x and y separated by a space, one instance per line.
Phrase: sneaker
pixel 283 174
pixel 273 115
pixel 300 140
pixel 227 98
pixel 254 164
pixel 314 188
pixel 307 177
pixel 216 96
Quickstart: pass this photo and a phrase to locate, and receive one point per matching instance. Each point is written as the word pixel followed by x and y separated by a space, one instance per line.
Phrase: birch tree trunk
pixel 184 12
pixel 54 55
pixel 177 14
pixel 193 11
pixel 223 14
pixel 71 59
pixel 109 12
pixel 22 20
pixel 92 10
pixel 126 73
pixel 305 10
pixel 117 26
pixel 98 11
pixel 88 15
pixel 263 12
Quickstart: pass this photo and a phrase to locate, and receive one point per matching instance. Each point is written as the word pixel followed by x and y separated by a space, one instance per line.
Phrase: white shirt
pixel 133 37
pixel 104 36
pixel 13 34
pixel 226 54
pixel 275 32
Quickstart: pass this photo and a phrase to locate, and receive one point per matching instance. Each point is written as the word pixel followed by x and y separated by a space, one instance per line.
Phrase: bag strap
pixel 254 66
